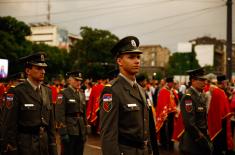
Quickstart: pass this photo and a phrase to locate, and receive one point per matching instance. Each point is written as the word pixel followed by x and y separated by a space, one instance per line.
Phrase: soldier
pixel 30 122
pixel 123 105
pixel 71 116
pixel 195 139
pixel 13 80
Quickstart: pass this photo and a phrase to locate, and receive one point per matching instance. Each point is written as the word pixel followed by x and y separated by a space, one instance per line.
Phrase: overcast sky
pixel 164 22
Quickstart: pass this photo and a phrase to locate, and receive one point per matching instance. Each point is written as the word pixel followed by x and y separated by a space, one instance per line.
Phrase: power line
pixel 123 7
pixel 200 1
pixel 101 8
pixel 168 17
pixel 159 29
pixel 41 1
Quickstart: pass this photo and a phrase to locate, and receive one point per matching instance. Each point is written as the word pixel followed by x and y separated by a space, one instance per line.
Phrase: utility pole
pixel 229 39
pixel 49 11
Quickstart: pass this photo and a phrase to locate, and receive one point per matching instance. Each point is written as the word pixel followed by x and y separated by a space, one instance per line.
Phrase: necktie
pixel 38 91
pixel 136 89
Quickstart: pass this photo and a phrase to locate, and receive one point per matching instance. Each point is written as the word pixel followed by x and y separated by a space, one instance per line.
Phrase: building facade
pixel 51 35
pixel 154 59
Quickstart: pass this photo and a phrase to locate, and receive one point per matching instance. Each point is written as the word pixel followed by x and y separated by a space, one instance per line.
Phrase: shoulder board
pixel 43 84
pixel 114 81
pixel 188 94
pixel 108 85
pixel 13 86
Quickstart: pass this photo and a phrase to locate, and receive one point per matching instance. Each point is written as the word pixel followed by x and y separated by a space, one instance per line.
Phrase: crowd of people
pixel 131 113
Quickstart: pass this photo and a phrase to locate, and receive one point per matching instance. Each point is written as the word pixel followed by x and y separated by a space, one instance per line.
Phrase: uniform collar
pixel 199 93
pixel 74 90
pixel 33 85
pixel 128 80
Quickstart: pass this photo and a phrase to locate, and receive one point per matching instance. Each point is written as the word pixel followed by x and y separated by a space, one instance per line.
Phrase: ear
pixel 119 61
pixel 27 71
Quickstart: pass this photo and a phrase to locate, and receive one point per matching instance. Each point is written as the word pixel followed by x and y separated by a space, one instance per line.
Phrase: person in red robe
pixel 93 105
pixel 165 113
pixel 219 123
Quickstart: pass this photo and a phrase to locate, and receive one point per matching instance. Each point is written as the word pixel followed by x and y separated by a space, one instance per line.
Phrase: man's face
pixel 74 83
pixel 129 63
pixel 36 73
pixel 199 84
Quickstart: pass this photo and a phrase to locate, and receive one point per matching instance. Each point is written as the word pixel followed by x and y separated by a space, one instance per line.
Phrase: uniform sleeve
pixel 109 114
pixel 188 113
pixel 51 131
pixel 12 120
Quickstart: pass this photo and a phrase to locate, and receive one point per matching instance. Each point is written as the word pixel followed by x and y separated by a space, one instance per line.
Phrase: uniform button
pixel 42 118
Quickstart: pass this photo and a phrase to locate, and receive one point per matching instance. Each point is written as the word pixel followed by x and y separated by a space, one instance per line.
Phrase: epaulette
pixel 13 86
pixel 45 85
pixel 188 94
pixel 108 85
pixel 114 81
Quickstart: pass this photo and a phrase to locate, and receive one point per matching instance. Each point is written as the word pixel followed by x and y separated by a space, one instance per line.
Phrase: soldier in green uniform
pixel 71 116
pixel 12 80
pixel 30 121
pixel 195 140
pixel 123 105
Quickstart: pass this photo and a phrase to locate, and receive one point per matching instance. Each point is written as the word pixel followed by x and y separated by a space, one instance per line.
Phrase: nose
pixel 43 70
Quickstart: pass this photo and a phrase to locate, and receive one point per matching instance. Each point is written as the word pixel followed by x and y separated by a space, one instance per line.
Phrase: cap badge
pixel 133 43
pixel 42 58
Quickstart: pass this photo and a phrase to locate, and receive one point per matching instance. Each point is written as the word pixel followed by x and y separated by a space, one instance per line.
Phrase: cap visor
pixel 78 78
pixel 133 51
pixel 39 64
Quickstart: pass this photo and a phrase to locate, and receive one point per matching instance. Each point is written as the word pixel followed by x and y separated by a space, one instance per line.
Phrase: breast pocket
pixel 200 109
pixel 28 107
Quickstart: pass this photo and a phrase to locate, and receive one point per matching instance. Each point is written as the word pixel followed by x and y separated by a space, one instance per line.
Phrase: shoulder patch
pixel 9 101
pixel 188 105
pixel 107 102
pixel 59 98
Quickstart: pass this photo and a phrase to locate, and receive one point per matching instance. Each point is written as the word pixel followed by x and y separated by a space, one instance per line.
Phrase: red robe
pixel 218 110
pixel 165 105
pixel 93 103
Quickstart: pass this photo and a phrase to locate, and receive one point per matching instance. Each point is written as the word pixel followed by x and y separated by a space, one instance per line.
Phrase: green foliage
pixel 91 54
pixel 13 45
pixel 16 28
pixel 179 63
pixel 57 59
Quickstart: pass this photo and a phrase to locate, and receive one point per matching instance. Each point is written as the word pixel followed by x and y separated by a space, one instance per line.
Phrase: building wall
pixel 154 58
pixel 44 34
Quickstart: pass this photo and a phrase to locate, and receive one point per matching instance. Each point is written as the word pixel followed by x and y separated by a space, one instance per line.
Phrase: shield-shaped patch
pixel 9 101
pixel 188 105
pixel 59 98
pixel 107 102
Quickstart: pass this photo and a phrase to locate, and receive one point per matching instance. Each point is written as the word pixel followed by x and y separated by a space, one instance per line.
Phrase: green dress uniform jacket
pixel 194 113
pixel 124 119
pixel 71 117
pixel 30 122
pixel 71 114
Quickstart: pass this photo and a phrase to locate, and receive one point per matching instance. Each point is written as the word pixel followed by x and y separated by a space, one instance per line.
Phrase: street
pixel 93 147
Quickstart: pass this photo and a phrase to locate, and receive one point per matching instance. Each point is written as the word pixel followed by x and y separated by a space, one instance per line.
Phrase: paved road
pixel 93 147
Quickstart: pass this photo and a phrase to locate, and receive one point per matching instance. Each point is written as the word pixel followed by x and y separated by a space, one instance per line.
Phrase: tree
pixel 15 28
pixel 179 63
pixel 57 59
pixel 91 54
